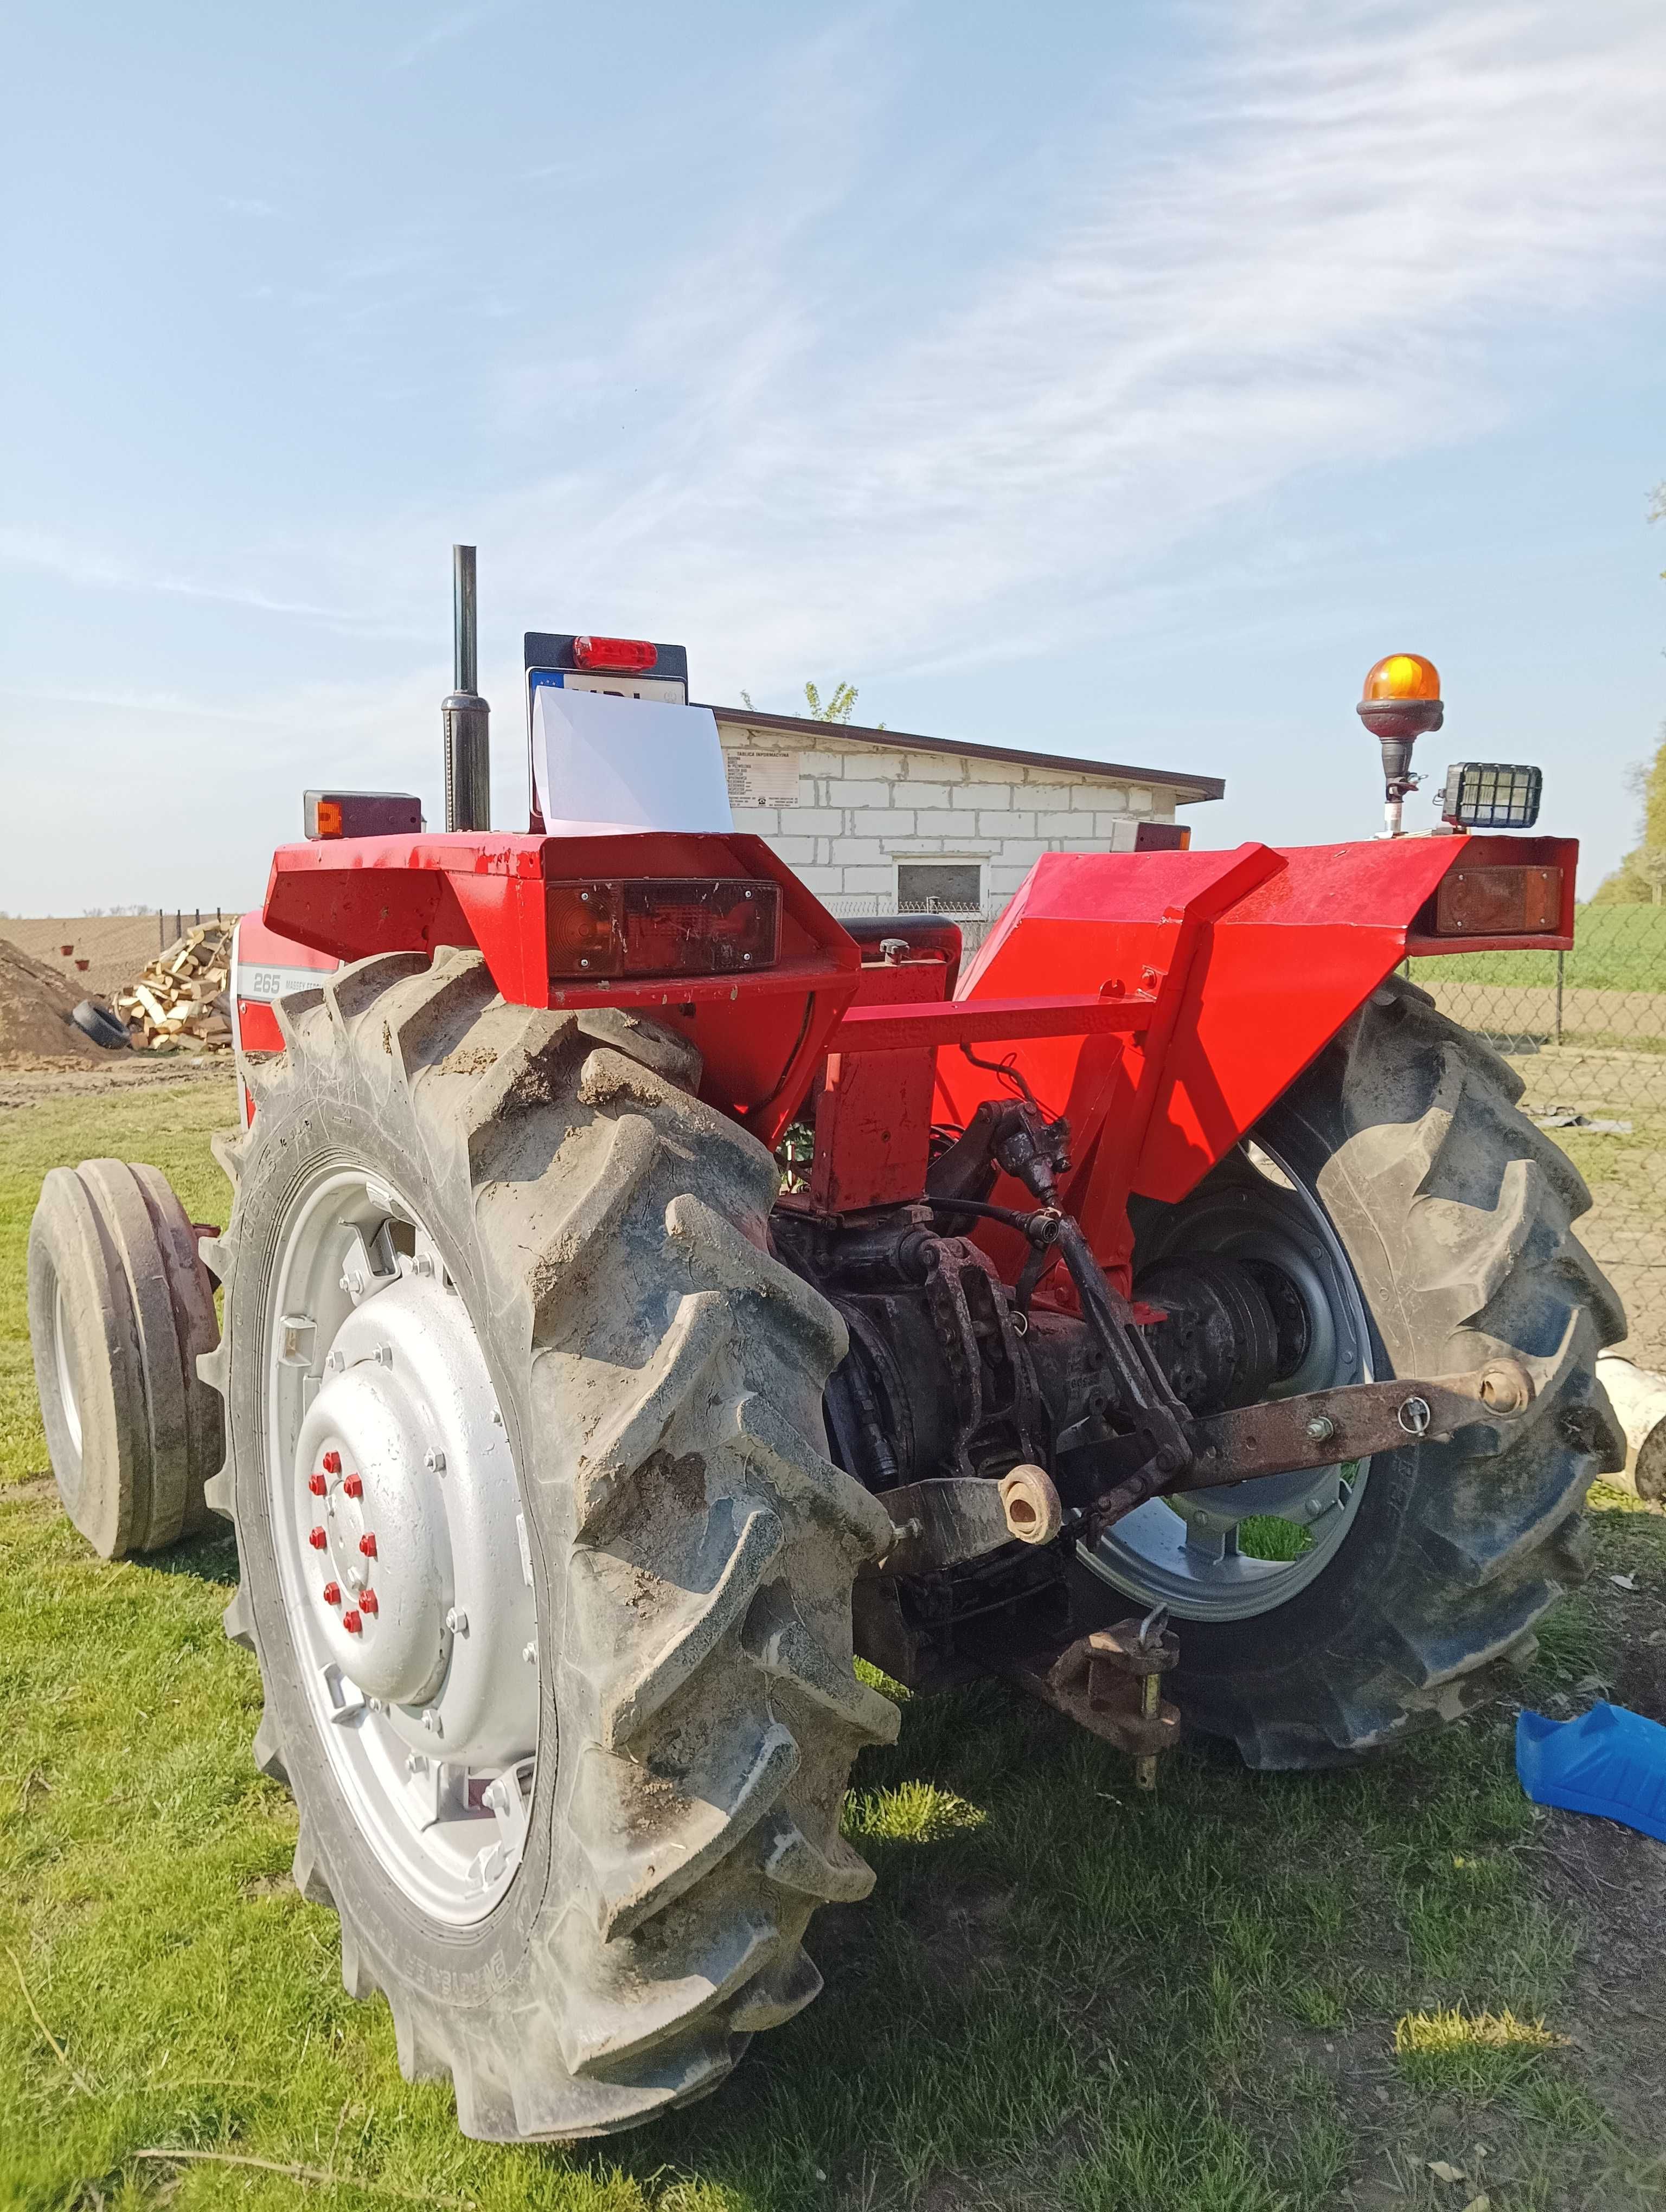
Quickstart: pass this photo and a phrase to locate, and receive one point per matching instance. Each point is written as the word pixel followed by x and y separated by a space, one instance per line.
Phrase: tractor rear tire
pixel 1455 1213
pixel 120 1309
pixel 688 1546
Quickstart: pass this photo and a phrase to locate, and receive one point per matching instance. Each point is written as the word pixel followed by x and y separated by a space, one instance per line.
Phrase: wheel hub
pixel 402 1547
pixel 1191 1552
pixel 385 1565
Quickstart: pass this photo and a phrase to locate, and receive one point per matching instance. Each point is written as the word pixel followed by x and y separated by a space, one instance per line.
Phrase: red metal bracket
pixel 976 1021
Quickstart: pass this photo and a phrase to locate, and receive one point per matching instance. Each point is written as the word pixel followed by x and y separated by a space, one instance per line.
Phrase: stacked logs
pixel 181 999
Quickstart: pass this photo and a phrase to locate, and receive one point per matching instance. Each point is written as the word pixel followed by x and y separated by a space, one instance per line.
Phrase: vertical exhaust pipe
pixel 466 716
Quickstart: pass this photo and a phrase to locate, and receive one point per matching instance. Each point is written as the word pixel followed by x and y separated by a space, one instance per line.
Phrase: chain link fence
pixel 1586 1032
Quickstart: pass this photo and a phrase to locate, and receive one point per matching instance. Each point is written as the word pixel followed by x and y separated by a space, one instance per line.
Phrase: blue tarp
pixel 1609 1761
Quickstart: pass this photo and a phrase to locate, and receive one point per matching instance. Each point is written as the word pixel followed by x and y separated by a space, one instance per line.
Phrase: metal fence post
pixel 1561 958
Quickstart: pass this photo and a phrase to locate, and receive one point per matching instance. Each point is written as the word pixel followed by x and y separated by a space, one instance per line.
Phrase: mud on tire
pixel 691 1546
pixel 1456 1214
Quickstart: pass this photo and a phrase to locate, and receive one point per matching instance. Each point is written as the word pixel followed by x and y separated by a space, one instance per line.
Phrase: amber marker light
pixel 1402 675
pixel 1401 702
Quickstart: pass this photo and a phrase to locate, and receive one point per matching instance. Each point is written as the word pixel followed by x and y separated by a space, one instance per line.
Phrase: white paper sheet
pixel 606 764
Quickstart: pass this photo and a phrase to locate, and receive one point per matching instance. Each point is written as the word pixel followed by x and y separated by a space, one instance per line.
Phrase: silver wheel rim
pixel 401 1548
pixel 1186 1555
pixel 64 1367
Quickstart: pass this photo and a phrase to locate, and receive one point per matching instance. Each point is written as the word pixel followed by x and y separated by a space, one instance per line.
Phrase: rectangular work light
pixel 1492 795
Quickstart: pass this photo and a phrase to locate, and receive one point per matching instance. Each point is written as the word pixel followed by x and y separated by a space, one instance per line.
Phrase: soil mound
pixel 35 1029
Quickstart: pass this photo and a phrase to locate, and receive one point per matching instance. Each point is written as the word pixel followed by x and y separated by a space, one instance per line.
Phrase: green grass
pixel 1615 948
pixel 1246 1994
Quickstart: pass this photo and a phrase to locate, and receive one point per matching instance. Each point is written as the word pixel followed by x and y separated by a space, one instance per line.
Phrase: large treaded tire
pixel 692 1548
pixel 1455 1212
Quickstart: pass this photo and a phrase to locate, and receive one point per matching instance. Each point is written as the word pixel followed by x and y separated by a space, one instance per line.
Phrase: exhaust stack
pixel 466 716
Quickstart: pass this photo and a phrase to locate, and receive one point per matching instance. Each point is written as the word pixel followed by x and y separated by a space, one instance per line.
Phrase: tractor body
pixel 1129 1022
pixel 645 1294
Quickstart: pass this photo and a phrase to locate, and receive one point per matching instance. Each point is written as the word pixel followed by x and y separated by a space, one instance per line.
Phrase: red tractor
pixel 644 1293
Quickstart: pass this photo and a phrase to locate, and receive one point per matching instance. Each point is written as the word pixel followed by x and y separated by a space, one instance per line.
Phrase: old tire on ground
pixel 101 1025
pixel 556 1297
pixel 1453 1212
pixel 120 1309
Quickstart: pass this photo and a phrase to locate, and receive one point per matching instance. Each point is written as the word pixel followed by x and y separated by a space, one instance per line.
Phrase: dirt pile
pixel 35 1029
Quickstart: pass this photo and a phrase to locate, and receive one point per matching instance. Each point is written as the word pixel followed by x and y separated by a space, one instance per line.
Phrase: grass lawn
pixel 1249 1993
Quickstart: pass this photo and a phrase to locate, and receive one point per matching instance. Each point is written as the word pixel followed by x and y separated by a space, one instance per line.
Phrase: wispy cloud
pixel 1339 236
pixel 1320 253
pixel 445 28
pixel 94 568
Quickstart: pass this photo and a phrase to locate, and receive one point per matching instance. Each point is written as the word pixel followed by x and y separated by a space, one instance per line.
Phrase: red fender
pixel 1257 957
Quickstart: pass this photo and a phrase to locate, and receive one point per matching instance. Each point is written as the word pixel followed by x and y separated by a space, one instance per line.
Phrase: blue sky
pixel 1115 380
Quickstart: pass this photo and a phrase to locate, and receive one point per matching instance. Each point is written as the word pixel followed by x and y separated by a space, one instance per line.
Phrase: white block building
pixel 880 821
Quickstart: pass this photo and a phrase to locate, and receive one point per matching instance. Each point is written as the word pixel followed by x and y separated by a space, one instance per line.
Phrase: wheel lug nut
pixel 367 1544
pixel 368 1602
pixel 318 1485
pixel 353 1485
pixel 352 1624
pixel 333 1593
pixel 332 1463
pixel 317 1539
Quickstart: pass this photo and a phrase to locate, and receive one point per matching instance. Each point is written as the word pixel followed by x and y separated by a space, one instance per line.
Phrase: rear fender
pixel 1259 958
pixel 760 1034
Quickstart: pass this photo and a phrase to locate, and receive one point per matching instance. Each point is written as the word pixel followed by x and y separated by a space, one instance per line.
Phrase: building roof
pixel 1187 788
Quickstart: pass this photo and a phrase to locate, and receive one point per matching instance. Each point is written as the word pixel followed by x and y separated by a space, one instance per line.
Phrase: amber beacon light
pixel 1401 702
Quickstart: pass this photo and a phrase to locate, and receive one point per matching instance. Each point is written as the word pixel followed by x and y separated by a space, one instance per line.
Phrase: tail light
pixel 615 656
pixel 663 925
pixel 1499 903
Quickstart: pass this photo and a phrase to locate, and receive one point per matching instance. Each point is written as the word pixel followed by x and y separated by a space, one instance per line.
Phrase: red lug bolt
pixel 317 1539
pixel 316 1484
pixel 333 1593
pixel 367 1545
pixel 332 1463
pixel 352 1624
pixel 369 1601
pixel 353 1485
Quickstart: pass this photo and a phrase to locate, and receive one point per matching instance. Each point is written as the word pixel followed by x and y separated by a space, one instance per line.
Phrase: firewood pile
pixel 181 999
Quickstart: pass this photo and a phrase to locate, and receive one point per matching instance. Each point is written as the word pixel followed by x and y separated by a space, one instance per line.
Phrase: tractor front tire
pixel 1455 1214
pixel 595 1240
pixel 120 1310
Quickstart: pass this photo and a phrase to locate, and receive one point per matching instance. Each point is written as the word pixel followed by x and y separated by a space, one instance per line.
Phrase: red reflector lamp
pixel 662 925
pixel 1499 903
pixel 360 814
pixel 615 656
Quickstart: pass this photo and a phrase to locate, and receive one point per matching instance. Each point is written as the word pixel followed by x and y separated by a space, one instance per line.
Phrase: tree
pixel 838 707
pixel 1635 882
pixel 1632 883
pixel 1649 861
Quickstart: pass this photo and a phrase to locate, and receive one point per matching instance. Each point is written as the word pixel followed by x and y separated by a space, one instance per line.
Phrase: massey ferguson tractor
pixel 644 1293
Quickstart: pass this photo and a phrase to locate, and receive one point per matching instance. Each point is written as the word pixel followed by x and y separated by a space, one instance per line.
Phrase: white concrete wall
pixel 861 808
